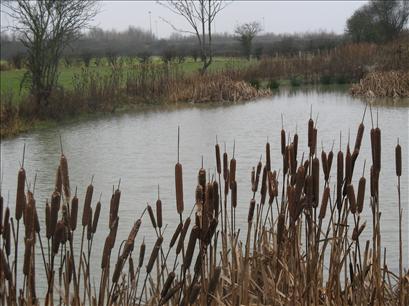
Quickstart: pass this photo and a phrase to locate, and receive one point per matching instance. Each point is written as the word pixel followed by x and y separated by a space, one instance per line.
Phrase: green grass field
pixel 11 79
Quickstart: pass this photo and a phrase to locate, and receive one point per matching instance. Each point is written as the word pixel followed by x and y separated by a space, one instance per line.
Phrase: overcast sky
pixel 275 16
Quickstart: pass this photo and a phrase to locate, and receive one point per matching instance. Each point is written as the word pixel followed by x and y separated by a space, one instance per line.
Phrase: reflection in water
pixel 140 149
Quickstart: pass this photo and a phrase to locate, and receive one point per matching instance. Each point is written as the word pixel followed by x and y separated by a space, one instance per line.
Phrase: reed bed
pixel 301 245
pixel 393 84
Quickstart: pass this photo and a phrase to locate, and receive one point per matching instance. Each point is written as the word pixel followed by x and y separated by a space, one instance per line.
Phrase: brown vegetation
pixel 276 258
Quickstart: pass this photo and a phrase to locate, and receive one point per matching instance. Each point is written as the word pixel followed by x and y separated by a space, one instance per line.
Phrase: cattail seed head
pixel 268 156
pixel 1 214
pixel 194 235
pixel 361 194
pixel 106 253
pixel 215 198
pixel 64 176
pixel 299 183
pixel 253 177
pixel 255 186
pixel 168 283
pixel 377 149
pixel 87 205
pixel 142 249
pixel 20 196
pixel 131 269
pixel 201 178
pixel 214 281
pixel 194 293
pixel 89 226
pixel 315 180
pixel 225 166
pixel 154 254
pixel 151 215
pixel 251 211
pixel 96 217
pixel 179 188
pixel 324 203
pixel 210 231
pixel 329 164
pixel 324 162
pixel 6 231
pixel 309 190
pixel 359 136
pixel 263 188
pixel 357 231
pixel 4 266
pixel 218 161
pixel 59 236
pixel 55 208
pixel 286 158
pixel 114 206
pixel 232 172
pixel 310 132
pixel 283 143
pixel 340 178
pixel 233 194
pixel 112 232
pixel 74 213
pixel 292 159
pixel 398 160
pixel 58 180
pixel 27 255
pixel 374 182
pixel 351 198
pixel 175 235
pixel 182 235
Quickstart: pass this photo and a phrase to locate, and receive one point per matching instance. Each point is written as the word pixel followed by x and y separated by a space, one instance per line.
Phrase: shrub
pixel 273 84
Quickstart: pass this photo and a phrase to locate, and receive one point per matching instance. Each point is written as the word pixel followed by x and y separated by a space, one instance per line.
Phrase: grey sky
pixel 276 16
pixel 279 16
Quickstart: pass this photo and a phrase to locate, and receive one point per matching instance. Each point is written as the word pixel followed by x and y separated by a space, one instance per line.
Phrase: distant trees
pixel 378 21
pixel 245 34
pixel 200 15
pixel 45 28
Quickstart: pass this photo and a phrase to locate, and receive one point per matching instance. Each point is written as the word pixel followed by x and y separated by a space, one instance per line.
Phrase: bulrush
pixel 257 179
pixel 168 283
pixel 96 217
pixel 55 208
pixel 182 235
pixel 27 255
pixel 20 196
pixel 151 216
pixel 218 160
pixel 59 236
pixel 351 198
pixel 74 213
pixel 361 194
pixel 398 160
pixel 87 204
pixel 58 180
pixel 48 228
pixel 324 163
pixel 310 133
pixel 340 178
pixel 233 194
pixel 114 206
pixel 141 257
pixel 329 165
pixel 89 226
pixel 283 143
pixel 175 235
pixel 159 213
pixel 263 188
pixel 359 136
pixel 194 235
pixel 225 166
pixel 64 176
pixel 315 180
pixel 154 255
pixel 295 144
pixel 179 188
pixel 7 232
pixel 232 173
pixel 215 198
pixel 214 281
pixel 268 156
pixel 251 210
pixel 324 203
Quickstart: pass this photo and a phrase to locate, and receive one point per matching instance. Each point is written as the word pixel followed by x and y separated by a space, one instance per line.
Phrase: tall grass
pixel 301 245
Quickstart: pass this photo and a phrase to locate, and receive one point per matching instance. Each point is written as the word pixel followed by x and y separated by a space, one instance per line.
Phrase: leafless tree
pixel 45 28
pixel 245 34
pixel 200 15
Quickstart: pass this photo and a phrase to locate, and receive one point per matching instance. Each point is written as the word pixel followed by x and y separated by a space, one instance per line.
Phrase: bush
pixel 326 79
pixel 255 83
pixel 273 84
pixel 295 81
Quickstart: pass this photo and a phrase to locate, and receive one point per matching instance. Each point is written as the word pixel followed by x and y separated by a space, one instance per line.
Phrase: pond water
pixel 140 149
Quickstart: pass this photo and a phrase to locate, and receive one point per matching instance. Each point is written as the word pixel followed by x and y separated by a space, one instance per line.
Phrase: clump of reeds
pixel 296 227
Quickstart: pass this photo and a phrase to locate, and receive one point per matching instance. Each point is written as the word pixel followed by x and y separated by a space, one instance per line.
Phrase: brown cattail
pixel 210 231
pixel 280 228
pixel 55 207
pixel 27 255
pixel 299 183
pixel 154 254
pixel 361 194
pixel 151 216
pixel 295 144
pixel 215 198
pixel 315 180
pixel 106 253
pixel 175 235
pixel 270 185
pixel 251 211
pixel 5 268
pixel 292 206
pixel 118 269
pixel 74 213
pixel 218 161
pixel 201 178
pixel 253 177
pixel 179 188
pixel 283 143
pixel 232 172
pixel 168 283
pixel 225 166
pixel 398 160
pixel 87 204
pixel 142 249
pixel 171 293
pixel 1 214
pixel 96 217
pixel 324 163
pixel 357 231
pixel 194 235
pixel 131 269
pixel 112 232
pixel 198 264
pixel 182 235
pixel 233 187
pixel 324 203
pixel 313 146
pixel 6 232
pixel 374 182
pixel 58 180
pixel 20 196
pixel 292 159
pixel 310 133
pixel 351 198
pixel 329 164
pixel 340 178
pixel 64 176
pixel 359 136
pixel 268 156
pixel 114 206
pixel 194 293
pixel 208 207
pixel 377 149
pixel 59 236
pixel 89 226
pixel 214 281
pixel 37 227
pixel 286 159
pixel 159 213
pixel 309 190
pixel 29 215
pixel 255 186
pixel 48 229
pixel 263 188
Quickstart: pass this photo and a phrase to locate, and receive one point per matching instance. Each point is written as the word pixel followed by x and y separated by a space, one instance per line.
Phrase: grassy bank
pixel 301 243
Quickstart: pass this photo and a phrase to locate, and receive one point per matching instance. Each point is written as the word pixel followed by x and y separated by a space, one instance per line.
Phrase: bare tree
pixel 245 35
pixel 45 28
pixel 200 15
